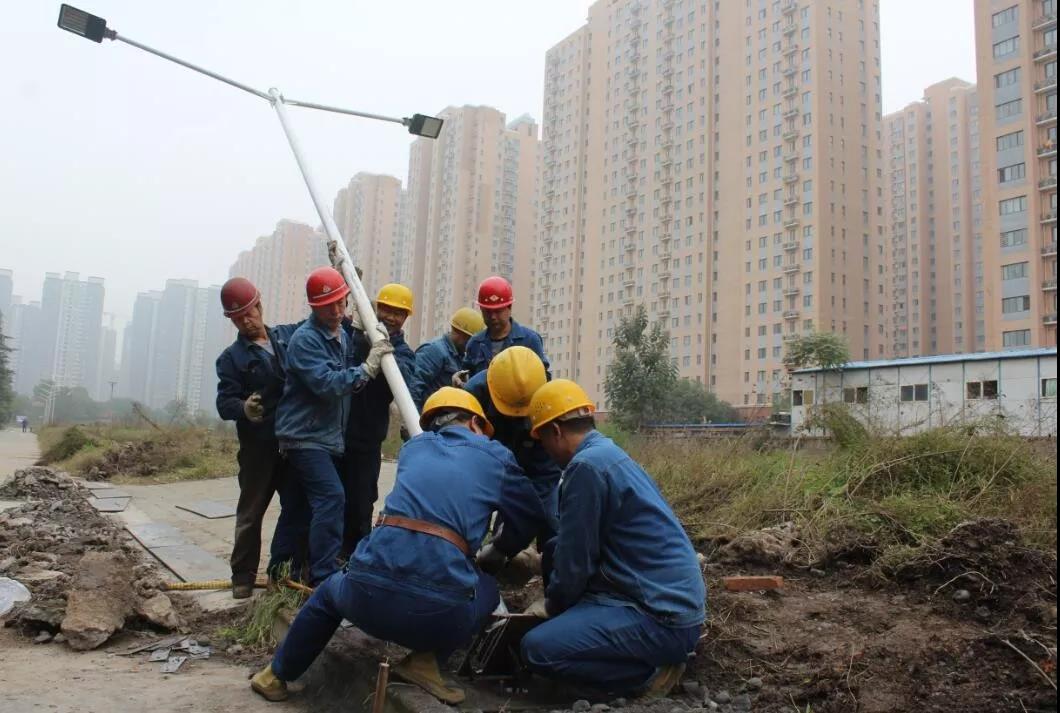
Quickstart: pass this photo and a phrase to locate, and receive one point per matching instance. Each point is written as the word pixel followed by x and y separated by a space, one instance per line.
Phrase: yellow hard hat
pixel 513 376
pixel 468 321
pixel 396 296
pixel 449 398
pixel 555 400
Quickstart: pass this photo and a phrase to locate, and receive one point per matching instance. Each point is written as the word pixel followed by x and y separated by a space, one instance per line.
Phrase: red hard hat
pixel 495 293
pixel 324 286
pixel 238 295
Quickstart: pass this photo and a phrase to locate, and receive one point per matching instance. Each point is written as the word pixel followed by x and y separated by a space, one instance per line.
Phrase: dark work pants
pixel 317 473
pixel 360 481
pixel 263 472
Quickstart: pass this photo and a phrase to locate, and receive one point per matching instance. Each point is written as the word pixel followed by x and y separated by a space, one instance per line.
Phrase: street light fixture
pixel 92 27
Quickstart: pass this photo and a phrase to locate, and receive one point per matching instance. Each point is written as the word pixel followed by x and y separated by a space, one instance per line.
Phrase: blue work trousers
pixel 317 472
pixel 616 649
pixel 403 613
pixel 290 540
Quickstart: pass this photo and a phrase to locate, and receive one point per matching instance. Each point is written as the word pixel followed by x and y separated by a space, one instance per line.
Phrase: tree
pixel 7 392
pixel 826 350
pixel 177 410
pixel 689 402
pixel 641 374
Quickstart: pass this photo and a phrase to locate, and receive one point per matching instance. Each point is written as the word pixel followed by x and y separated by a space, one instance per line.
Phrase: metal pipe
pixel 340 110
pixel 363 304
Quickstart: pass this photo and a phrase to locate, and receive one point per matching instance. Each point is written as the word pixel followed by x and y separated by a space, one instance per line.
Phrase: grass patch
pixel 255 628
pixel 131 454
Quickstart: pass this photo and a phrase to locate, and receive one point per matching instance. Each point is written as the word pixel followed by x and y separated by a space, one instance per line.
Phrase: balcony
pixel 789 8
pixel 791 245
pixel 668 72
pixel 790 72
pixel 790 92
pixel 1048 117
pixel 791 314
pixel 793 48
pixel 791 292
pixel 792 269
pixel 631 212
pixel 1049 285
pixel 629 283
pixel 1049 319
pixel 629 246
pixel 1044 85
pixel 1049 250
pixel 667 125
pixel 627 300
pixel 790 29
pixel 1047 151
pixel 791 223
pixel 794 113
pixel 791 178
pixel 791 135
pixel 1047 52
pixel 1043 22
pixel 1050 217
pixel 1047 182
pixel 791 201
pixel 791 157
pixel 631 191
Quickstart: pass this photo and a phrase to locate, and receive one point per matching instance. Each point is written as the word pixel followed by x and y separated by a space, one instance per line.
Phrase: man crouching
pixel 413 580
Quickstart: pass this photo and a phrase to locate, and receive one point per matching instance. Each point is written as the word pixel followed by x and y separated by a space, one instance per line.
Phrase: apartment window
pixel 1014 271
pixel 1016 338
pixel 856 395
pixel 1015 172
pixel 915 392
pixel 1007 79
pixel 1007 48
pixel 1007 110
pixel 1010 206
pixel 1005 16
pixel 802 397
pixel 1010 141
pixel 1014 238
pixel 1049 388
pixel 1013 305
pixel 981 390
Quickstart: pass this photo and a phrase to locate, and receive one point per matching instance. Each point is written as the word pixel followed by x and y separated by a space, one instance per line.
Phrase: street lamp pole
pixel 95 28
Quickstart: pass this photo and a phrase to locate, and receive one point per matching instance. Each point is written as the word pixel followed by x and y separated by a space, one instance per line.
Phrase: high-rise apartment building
pixel 368 214
pixel 417 204
pixel 934 217
pixel 718 163
pixel 7 284
pixel 278 265
pixel 1016 54
pixel 478 188
pixel 172 344
pixel 71 326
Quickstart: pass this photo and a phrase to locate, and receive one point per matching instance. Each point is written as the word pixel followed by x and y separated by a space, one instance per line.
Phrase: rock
pixel 599 708
pixel 755 683
pixel 961 596
pixel 619 703
pixel 42 638
pixel 159 611
pixel 818 572
pixel 692 688
pixel 982 614
pixel 711 705
pixel 742 702
pixel 769 546
pixel 36 575
pixel 7 563
pixel 47 614
pixel 678 709
pixel 59 639
pixel 580 706
pixel 99 601
pixel 234 650
pixel 723 697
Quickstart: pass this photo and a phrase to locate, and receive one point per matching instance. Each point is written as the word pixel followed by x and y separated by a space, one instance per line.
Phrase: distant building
pixel 7 284
pixel 905 396
pixel 368 214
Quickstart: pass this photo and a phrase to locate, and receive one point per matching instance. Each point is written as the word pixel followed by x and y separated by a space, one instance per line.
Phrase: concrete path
pixel 17 450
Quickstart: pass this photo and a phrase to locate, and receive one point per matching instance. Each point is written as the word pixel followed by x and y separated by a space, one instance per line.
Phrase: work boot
pixel 266 685
pixel 421 669
pixel 665 678
pixel 242 591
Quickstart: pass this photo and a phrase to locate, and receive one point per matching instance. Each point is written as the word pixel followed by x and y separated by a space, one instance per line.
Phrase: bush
pixel 71 441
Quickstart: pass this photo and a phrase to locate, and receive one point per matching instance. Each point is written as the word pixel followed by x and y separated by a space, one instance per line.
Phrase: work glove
pixel 490 559
pixel 539 609
pixel 460 379
pixel 253 409
pixel 373 363
pixel 355 317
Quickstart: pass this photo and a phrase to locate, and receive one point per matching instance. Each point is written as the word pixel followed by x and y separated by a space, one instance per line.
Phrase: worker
pixel 412 581
pixel 439 359
pixel 501 331
pixel 312 415
pixel 250 379
pixel 625 596
pixel 504 391
pixel 370 414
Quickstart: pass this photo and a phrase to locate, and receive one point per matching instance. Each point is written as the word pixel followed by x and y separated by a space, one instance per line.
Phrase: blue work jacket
pixel 514 433
pixel 436 362
pixel 245 368
pixel 315 405
pixel 620 543
pixel 457 479
pixel 479 350
pixel 370 407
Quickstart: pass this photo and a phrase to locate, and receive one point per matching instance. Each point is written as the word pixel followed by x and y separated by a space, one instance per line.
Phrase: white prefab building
pixel 909 395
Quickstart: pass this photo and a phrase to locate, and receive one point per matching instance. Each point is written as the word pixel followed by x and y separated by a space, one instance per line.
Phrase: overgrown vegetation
pixel 133 453
pixel 891 494
pixel 255 628
pixel 826 350
pixel 7 393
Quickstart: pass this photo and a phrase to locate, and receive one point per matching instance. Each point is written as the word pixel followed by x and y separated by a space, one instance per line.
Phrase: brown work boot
pixel 421 669
pixel 242 591
pixel 663 681
pixel 266 685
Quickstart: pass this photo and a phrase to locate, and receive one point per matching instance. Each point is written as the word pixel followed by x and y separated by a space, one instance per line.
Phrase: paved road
pixel 17 450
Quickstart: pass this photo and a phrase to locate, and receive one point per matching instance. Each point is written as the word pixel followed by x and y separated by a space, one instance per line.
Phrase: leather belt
pixel 427 528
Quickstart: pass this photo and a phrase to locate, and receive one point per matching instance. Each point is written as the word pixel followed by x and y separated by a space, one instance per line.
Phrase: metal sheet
pixel 159 655
pixel 191 563
pixel 111 493
pixel 156 534
pixel 109 504
pixel 97 485
pixel 210 509
pixel 173 664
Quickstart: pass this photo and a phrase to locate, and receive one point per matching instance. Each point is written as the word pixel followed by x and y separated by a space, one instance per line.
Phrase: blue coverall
pixel 626 591
pixel 311 429
pixel 436 362
pixel 479 352
pixel 366 430
pixel 419 590
pixel 243 369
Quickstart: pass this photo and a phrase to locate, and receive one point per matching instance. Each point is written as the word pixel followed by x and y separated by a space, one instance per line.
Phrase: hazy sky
pixel 118 164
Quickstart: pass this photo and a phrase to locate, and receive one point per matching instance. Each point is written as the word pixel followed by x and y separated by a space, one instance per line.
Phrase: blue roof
pixel 940 359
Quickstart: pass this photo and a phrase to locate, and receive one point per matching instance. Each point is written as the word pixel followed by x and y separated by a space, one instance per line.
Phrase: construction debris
pixel 752 584
pixel 100 600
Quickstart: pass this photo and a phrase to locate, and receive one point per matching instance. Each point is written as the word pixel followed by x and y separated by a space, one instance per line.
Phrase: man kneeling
pixel 413 580
pixel 626 593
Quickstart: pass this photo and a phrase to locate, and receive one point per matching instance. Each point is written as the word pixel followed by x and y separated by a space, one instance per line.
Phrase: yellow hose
pixel 260 583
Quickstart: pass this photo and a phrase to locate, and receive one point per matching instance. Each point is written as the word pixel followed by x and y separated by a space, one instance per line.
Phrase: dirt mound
pixel 129 458
pixel 767 547
pixel 39 483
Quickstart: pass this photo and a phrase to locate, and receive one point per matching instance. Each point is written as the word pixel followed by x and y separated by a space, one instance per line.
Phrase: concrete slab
pixel 96 484
pixel 109 504
pixel 156 534
pixel 209 509
pixel 110 493
pixel 191 563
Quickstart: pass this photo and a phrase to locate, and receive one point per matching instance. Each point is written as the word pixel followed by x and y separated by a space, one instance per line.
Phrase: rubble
pixel 767 547
pixel 158 610
pixel 100 600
